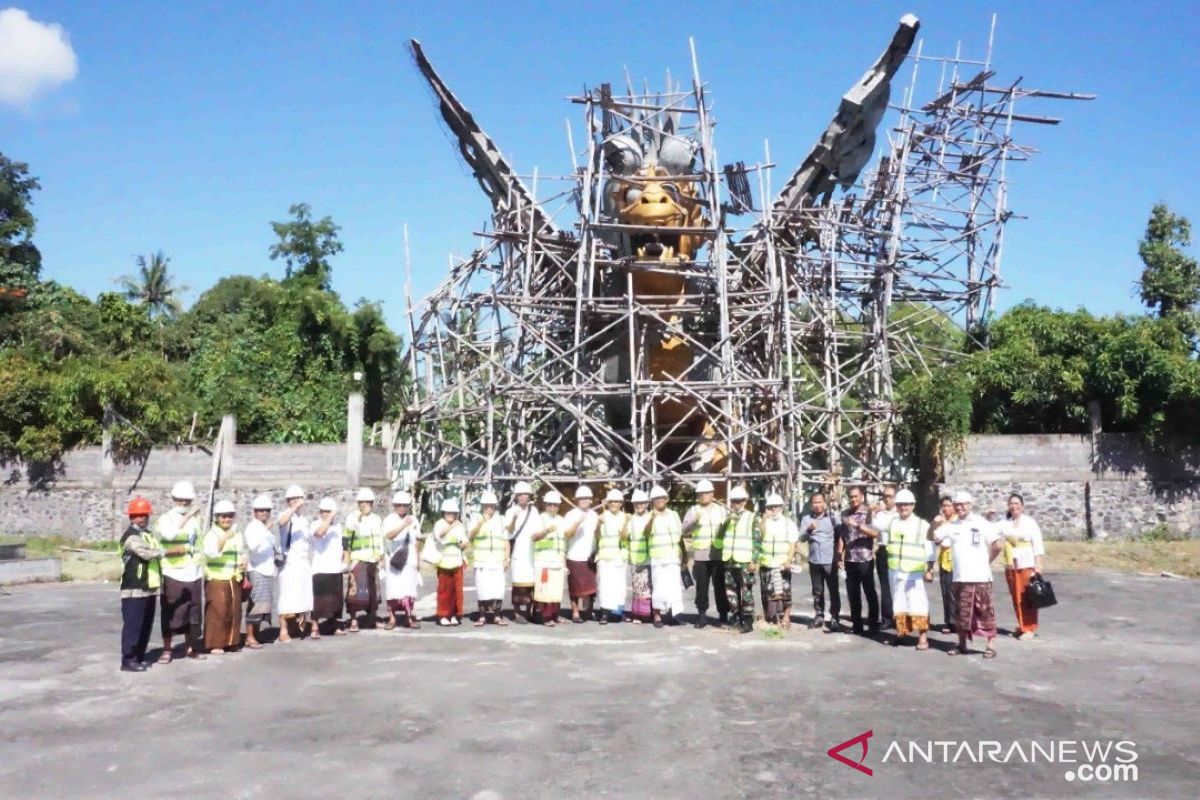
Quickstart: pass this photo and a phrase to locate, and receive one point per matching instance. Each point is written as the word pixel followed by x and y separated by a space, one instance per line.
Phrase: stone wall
pixel 78 500
pixel 1081 486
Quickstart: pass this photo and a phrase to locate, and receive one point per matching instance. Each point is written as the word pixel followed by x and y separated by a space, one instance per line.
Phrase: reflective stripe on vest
pixel 906 544
pixel 363 542
pixel 739 538
pixel 609 547
pixel 774 542
pixel 187 534
pixel 225 565
pixel 639 544
pixel 709 532
pixel 665 533
pixel 548 551
pixel 488 544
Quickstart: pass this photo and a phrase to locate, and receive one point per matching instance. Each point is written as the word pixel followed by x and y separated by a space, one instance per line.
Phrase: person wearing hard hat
pixel 974 543
pixel 665 533
pixel 402 542
pixel 225 563
pixel 612 558
pixel 178 530
pixel 819 530
pixel 521 522
pixel 549 565
pixel 779 538
pixel 261 568
pixel 579 527
pixel 641 602
pixel 450 536
pixel 363 538
pixel 329 564
pixel 703 526
pixel 295 601
pixel 910 567
pixel 489 553
pixel 741 548
pixel 140 581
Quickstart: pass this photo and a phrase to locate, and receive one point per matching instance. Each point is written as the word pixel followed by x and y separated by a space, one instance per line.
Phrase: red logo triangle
pixel 835 752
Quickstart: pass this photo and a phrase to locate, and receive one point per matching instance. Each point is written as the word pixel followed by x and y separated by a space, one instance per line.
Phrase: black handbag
pixel 400 557
pixel 685 575
pixel 1041 592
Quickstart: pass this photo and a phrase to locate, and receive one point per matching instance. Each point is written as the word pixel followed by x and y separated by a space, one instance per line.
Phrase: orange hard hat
pixel 139 506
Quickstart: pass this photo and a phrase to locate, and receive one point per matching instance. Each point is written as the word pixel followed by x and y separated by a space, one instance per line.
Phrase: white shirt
pixel 970 543
pixel 1026 530
pixel 170 523
pixel 297 545
pixel 881 520
pixel 260 548
pixel 583 541
pixel 516 515
pixel 327 549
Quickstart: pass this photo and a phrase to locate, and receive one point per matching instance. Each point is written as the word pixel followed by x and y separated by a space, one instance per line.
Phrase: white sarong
pixel 489 582
pixel 611 583
pixel 908 593
pixel 666 588
pixel 550 583
pixel 522 559
pixel 294 594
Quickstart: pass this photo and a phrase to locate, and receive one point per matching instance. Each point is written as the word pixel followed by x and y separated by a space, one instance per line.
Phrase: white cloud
pixel 35 57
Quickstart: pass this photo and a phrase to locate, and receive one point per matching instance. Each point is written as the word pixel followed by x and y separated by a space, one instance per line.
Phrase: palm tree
pixel 153 288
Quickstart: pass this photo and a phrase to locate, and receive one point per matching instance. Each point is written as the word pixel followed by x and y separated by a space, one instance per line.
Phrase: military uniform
pixel 741 551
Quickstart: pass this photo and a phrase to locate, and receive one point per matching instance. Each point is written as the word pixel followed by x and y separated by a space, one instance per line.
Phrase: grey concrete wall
pixel 73 499
pixel 1079 486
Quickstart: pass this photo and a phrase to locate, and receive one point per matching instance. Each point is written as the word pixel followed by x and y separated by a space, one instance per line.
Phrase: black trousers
pixel 949 604
pixel 885 586
pixel 825 576
pixel 711 573
pixel 860 580
pixel 137 621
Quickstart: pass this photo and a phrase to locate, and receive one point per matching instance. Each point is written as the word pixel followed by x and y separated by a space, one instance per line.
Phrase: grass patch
pixel 1181 557
pixel 81 561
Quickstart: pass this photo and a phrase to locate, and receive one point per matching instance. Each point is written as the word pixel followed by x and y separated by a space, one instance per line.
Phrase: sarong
pixel 522 596
pixel 365 593
pixel 405 583
pixel 180 610
pixel 910 602
pixel 549 586
pixel 222 614
pixel 666 588
pixel 489 583
pixel 642 591
pixel 262 598
pixel 611 580
pixel 581 579
pixel 327 595
pixel 295 588
pixel 976 614
pixel 450 592
pixel 1023 607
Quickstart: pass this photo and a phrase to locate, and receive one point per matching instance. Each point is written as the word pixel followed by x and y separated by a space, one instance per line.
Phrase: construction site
pixel 660 315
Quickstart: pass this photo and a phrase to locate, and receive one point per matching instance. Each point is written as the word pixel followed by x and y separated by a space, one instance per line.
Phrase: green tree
pixel 306 245
pixel 154 287
pixel 1170 283
pixel 20 261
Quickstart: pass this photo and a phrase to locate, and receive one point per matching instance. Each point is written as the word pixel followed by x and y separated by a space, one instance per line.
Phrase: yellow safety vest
pixel 741 538
pixel 224 566
pixel 488 544
pixel 610 548
pixel 710 527
pixel 666 531
pixel 906 544
pixel 548 551
pixel 774 542
pixel 451 548
pixel 365 540
pixel 639 543
pixel 172 535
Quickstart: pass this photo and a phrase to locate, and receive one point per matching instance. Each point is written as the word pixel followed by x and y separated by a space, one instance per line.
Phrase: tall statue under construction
pixel 660 317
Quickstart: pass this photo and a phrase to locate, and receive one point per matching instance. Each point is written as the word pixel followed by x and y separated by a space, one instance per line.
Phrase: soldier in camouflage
pixel 741 552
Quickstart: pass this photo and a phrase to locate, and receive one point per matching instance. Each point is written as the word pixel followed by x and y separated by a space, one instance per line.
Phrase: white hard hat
pixel 262 503
pixel 449 506
pixel 905 497
pixel 639 496
pixel 961 496
pixel 223 507
pixel 328 504
pixel 488 498
pixel 364 495
pixel 738 493
pixel 657 491
pixel 402 498
pixel 614 496
pixel 522 488
pixel 583 493
pixel 704 486
pixel 774 499
pixel 293 491
pixel 552 498
pixel 183 490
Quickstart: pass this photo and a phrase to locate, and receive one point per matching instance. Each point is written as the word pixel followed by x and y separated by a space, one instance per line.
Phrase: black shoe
pixel 658 623
pixel 702 622
pixel 816 624
pixel 132 666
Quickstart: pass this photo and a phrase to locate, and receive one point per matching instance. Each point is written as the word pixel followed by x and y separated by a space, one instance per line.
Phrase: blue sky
pixel 190 128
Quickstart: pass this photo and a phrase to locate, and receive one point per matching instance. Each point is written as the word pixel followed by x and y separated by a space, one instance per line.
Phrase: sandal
pixel 501 621
pixel 339 631
pixel 390 625
pixel 479 623
pixel 577 620
pixel 316 634
pixel 253 646
pixel 413 624
pixel 923 645
pixel 989 653
pixel 354 626
pixel 957 651
pixel 192 654
pixel 167 657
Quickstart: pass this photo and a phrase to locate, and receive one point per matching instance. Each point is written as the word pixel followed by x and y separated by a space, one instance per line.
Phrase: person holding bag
pixel 365 544
pixel 522 521
pixel 402 536
pixel 451 538
pixel 1023 554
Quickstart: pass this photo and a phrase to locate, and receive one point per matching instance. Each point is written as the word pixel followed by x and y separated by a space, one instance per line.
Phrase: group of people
pixel 616 565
